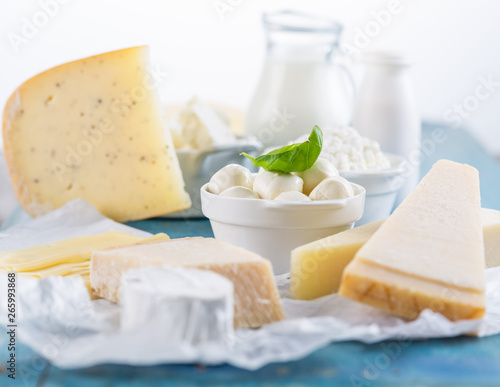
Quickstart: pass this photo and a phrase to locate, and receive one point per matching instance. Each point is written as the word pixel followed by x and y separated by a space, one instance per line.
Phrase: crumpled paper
pixel 59 321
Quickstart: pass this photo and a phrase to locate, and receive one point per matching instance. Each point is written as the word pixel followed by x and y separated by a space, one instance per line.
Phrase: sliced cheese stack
pixel 67 257
pixel 256 297
pixel 93 128
pixel 317 267
pixel 429 253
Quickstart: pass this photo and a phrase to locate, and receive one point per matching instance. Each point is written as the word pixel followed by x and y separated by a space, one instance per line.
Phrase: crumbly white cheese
pixel 198 126
pixel 349 151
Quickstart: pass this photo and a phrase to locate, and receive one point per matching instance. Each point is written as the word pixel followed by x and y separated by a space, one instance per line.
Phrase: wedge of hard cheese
pixel 256 298
pixel 93 128
pixel 317 267
pixel 429 253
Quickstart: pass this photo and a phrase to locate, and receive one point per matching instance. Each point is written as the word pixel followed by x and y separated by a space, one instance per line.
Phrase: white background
pixel 453 43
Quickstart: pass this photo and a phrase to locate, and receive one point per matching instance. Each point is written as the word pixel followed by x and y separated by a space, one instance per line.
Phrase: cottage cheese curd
pixel 349 151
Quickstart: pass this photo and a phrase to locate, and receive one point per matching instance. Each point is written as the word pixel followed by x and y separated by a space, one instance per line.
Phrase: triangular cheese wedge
pixel 93 129
pixel 429 253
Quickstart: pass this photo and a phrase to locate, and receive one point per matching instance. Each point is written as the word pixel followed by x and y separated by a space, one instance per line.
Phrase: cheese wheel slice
pixel 94 129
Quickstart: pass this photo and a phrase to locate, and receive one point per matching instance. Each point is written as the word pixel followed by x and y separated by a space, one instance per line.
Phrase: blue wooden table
pixel 461 361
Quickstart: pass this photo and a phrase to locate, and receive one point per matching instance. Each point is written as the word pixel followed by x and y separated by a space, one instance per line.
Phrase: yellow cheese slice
pixel 72 250
pixel 429 253
pixel 69 256
pixel 94 129
pixel 256 297
pixel 317 267
pixel 62 269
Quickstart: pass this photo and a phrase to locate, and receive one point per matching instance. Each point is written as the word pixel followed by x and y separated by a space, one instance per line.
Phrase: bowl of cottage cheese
pixel 361 161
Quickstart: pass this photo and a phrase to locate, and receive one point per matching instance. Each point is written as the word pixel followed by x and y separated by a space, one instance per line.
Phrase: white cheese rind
pixel 193 306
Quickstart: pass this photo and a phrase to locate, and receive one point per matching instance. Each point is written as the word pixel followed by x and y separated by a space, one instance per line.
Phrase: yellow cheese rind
pixel 317 267
pixel 256 297
pixel 93 128
pixel 433 242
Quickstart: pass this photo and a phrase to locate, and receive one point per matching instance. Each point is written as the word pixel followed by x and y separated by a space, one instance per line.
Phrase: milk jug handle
pixel 344 62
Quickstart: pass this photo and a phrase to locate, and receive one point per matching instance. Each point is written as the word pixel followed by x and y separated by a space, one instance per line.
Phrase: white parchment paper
pixel 56 317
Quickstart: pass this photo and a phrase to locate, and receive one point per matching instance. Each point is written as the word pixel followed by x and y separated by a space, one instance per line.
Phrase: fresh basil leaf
pixel 292 158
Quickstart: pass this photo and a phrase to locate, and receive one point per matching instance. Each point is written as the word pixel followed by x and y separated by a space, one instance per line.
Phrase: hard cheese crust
pixel 429 253
pixel 93 129
pixel 256 297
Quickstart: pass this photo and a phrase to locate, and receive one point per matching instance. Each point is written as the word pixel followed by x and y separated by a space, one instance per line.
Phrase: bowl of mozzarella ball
pixel 361 161
pixel 272 212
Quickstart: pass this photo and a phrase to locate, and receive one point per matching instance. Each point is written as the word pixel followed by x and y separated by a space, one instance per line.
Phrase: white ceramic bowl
pixel 382 187
pixel 273 228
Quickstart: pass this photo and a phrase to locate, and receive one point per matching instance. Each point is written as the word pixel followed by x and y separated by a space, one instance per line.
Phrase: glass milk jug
pixel 303 82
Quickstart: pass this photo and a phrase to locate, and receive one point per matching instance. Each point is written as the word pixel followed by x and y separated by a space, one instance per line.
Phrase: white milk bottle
pixel 303 82
pixel 386 111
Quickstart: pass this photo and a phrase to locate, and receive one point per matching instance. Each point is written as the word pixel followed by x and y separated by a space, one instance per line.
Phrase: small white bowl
pixel 382 187
pixel 273 228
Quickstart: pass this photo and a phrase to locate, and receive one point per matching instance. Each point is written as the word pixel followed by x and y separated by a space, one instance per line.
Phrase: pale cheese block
pixel 491 232
pixel 94 129
pixel 317 267
pixel 256 298
pixel 429 253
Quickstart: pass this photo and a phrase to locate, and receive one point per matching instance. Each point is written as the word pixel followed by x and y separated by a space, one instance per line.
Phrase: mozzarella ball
pixel 321 169
pixel 270 184
pixel 240 192
pixel 334 187
pixel 231 175
pixel 292 196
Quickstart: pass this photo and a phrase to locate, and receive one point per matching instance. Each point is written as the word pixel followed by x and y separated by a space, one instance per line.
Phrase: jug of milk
pixel 303 82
